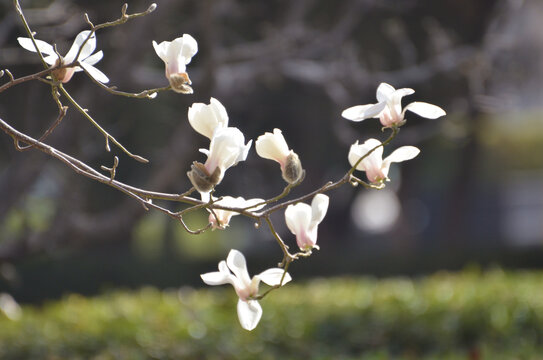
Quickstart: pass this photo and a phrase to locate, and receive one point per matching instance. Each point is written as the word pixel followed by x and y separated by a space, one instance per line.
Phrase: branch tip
pixel 141 159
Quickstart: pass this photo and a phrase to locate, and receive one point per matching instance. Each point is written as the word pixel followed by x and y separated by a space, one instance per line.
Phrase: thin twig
pixel 19 11
pixel 145 94
pixel 124 18
pixel 108 137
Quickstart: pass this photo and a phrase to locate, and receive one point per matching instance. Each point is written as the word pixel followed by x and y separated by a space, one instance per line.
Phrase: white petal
pixel 356 152
pixel 236 263
pixel 223 276
pixel 51 59
pixel 319 206
pixel 95 73
pixel 249 314
pixel 206 119
pixel 226 149
pixel 230 201
pixel 162 49
pixel 272 277
pixel 220 110
pixel 298 217
pixel 205 196
pixel 252 202
pixel 272 146
pixel 425 110
pixel 240 202
pixel 362 112
pixel 182 50
pixel 245 152
pixel 94 58
pixel 402 92
pixel 190 48
pixel 402 154
pixel 44 47
pixel 384 91
pixel 395 99
pixel 88 48
pixel 215 278
pixel 359 150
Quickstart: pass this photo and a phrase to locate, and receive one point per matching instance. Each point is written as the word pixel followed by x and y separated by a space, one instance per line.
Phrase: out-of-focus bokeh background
pixel 474 197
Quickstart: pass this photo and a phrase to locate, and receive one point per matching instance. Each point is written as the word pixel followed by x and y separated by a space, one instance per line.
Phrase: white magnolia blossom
pixel 226 149
pixel 176 55
pixel 303 220
pixel 374 165
pixel 273 146
pixel 224 216
pixel 86 58
pixel 234 271
pixel 205 119
pixel 389 107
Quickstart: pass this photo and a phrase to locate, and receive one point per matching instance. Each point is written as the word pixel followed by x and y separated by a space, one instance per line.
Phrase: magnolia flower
pixel 176 55
pixel 374 165
pixel 86 59
pixel 273 146
pixel 303 220
pixel 389 107
pixel 249 310
pixel 227 148
pixel 221 219
pixel 205 119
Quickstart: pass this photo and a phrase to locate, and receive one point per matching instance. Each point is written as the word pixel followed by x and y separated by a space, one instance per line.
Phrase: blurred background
pixel 473 196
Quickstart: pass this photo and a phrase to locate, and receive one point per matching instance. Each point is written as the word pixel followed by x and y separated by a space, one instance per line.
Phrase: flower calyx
pixel 201 179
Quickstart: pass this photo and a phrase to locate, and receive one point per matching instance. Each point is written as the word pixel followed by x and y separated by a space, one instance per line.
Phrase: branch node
pixel 112 170
pixel 123 10
pixel 11 78
pixel 87 20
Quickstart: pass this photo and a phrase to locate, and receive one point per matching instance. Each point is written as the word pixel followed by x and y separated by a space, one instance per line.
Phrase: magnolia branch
pixel 75 63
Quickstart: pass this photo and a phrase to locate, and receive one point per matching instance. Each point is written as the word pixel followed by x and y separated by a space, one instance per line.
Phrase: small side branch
pixel 107 136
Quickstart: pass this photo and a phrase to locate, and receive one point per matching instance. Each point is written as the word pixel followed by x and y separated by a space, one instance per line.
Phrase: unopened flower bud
pixel 201 179
pixel 292 171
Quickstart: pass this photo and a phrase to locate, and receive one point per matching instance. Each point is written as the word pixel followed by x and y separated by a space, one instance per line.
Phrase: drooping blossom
pixel 273 146
pixel 234 271
pixel 222 218
pixel 176 55
pixel 388 109
pixel 226 149
pixel 86 58
pixel 374 165
pixel 303 221
pixel 206 118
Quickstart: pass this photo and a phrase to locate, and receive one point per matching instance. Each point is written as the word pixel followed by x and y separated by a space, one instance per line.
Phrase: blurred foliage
pixel 513 145
pixel 468 315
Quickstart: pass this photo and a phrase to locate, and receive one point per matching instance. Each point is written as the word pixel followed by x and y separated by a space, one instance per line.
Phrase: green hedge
pixel 469 315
